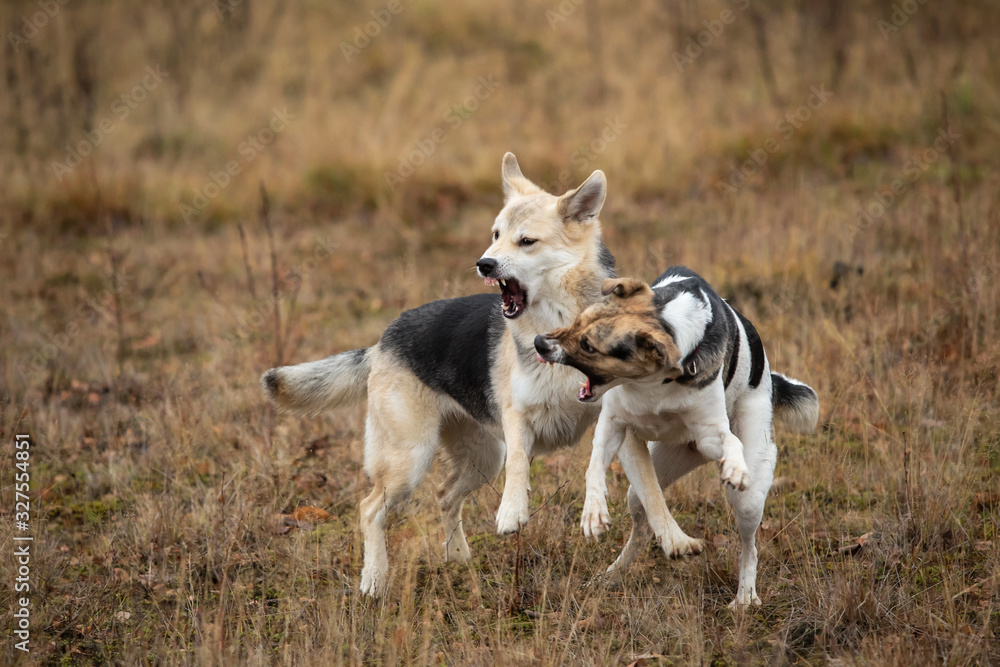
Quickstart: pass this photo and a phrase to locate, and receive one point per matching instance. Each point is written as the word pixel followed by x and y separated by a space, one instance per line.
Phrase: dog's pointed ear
pixel 623 288
pixel 514 182
pixel 661 346
pixel 584 203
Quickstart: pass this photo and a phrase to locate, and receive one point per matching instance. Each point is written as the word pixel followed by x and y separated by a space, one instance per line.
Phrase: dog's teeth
pixel 503 283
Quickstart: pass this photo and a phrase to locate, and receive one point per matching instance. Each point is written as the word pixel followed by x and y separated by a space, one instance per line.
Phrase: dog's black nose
pixel 486 266
pixel 542 344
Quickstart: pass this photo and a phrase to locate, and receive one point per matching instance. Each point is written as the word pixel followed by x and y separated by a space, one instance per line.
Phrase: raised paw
pixel 512 515
pixel 735 473
pixel 595 519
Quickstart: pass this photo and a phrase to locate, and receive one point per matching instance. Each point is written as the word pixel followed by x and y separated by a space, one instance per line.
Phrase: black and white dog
pixel 678 367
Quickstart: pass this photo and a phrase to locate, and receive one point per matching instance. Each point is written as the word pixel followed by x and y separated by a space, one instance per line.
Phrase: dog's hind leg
pixel 753 426
pixel 637 540
pixel 401 436
pixel 476 459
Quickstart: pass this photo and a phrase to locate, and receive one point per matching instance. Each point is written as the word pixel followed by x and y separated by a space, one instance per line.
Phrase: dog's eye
pixel 525 242
pixel 496 235
pixel 585 346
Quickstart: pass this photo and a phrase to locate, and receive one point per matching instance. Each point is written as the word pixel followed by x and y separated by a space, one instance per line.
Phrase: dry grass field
pixel 830 167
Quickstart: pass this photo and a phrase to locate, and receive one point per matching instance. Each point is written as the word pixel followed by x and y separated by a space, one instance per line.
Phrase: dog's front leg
pixel 709 426
pixel 513 511
pixel 608 438
pixel 641 472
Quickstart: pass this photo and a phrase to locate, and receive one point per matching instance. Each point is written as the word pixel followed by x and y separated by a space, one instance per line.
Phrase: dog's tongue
pixel 585 391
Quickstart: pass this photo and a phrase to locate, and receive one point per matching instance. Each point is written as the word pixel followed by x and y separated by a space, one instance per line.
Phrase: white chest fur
pixel 545 395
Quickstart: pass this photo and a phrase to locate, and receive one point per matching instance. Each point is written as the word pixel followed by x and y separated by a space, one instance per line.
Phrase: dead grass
pixel 158 470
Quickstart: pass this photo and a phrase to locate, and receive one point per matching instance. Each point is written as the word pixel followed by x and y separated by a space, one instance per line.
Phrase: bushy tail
pixel 310 388
pixel 795 403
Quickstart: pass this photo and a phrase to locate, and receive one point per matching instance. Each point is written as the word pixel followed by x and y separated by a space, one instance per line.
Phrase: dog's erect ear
pixel 623 287
pixel 514 182
pixel 586 201
pixel 661 346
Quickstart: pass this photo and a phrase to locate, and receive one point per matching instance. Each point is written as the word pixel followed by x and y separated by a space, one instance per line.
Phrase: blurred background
pixel 688 90
pixel 193 191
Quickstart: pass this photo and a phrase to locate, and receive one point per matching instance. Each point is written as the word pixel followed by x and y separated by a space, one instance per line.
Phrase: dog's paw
pixel 456 550
pixel 745 598
pixel 595 519
pixel 373 581
pixel 735 473
pixel 680 546
pixel 512 515
pixel 611 579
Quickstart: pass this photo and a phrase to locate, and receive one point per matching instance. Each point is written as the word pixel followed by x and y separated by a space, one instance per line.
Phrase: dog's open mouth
pixel 515 298
pixel 586 394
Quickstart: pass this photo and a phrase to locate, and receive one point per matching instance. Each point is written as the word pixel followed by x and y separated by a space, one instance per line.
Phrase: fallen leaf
pixel 720 541
pixel 855 546
pixel 310 514
pixel 93 398
pixel 596 623
pixel 147 342
pixel 122 615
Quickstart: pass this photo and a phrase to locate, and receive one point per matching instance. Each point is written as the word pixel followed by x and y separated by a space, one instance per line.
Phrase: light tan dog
pixel 462 373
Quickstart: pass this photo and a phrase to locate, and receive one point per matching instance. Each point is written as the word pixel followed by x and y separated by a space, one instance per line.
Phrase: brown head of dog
pixel 622 337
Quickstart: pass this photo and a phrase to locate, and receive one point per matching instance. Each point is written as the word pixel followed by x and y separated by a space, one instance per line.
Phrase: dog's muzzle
pixel 548 350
